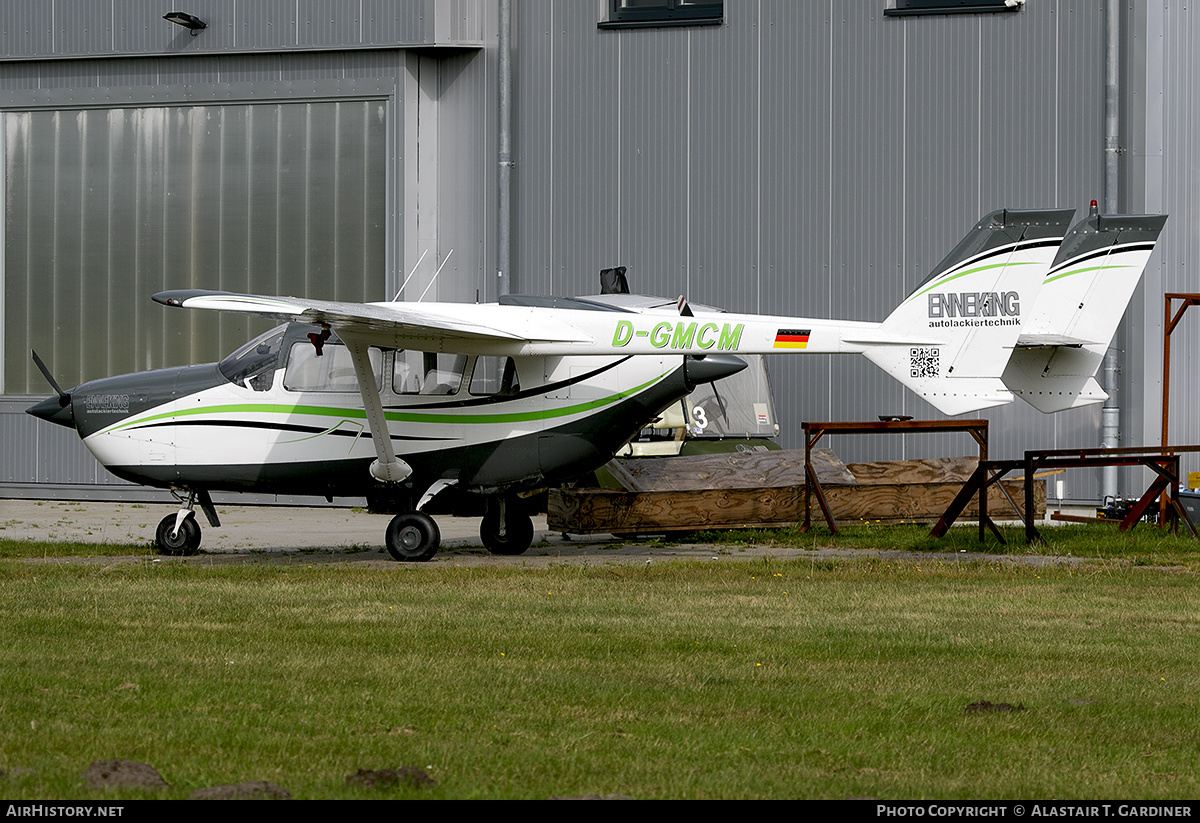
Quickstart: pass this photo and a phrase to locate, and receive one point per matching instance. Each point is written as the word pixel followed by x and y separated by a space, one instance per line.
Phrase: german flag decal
pixel 791 339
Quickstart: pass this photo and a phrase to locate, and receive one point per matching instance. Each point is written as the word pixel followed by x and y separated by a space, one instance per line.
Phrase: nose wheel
pixel 178 542
pixel 178 534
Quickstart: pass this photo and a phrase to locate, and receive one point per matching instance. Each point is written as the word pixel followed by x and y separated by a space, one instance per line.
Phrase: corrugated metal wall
pixel 813 158
pixel 808 158
pixel 1162 159
pixel 86 28
pixel 303 56
pixel 107 205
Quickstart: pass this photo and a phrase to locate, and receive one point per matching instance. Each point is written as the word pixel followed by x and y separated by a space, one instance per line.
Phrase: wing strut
pixel 387 468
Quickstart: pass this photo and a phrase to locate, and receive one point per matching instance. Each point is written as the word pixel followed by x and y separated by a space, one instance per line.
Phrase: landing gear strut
pixel 506 529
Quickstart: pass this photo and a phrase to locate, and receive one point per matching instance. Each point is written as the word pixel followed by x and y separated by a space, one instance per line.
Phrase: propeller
pixel 64 399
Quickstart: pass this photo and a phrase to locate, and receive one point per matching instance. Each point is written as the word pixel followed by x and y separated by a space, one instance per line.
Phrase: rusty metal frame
pixel 1162 460
pixel 813 432
pixel 1170 321
pixel 1169 324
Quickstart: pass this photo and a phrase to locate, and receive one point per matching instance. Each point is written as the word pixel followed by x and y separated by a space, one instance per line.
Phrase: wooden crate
pixel 766 489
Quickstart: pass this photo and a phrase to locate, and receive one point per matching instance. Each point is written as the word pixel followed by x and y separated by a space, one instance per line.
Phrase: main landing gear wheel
pixel 412 537
pixel 517 534
pixel 183 543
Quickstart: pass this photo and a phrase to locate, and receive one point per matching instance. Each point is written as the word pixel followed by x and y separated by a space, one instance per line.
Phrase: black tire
pixel 518 533
pixel 183 544
pixel 412 537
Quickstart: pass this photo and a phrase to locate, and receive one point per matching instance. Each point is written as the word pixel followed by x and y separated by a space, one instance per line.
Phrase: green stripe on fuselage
pixel 441 418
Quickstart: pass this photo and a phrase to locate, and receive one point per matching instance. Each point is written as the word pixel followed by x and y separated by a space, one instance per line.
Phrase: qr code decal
pixel 924 362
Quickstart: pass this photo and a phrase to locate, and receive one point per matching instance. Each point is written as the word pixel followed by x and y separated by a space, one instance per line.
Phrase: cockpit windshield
pixel 254 364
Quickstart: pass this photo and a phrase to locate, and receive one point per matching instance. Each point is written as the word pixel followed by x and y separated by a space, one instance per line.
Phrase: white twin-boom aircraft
pixel 413 400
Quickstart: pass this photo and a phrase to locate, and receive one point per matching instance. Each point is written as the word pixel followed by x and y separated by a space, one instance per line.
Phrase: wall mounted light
pixel 188 21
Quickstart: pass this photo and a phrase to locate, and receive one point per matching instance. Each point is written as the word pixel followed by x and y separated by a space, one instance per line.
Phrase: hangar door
pixel 104 207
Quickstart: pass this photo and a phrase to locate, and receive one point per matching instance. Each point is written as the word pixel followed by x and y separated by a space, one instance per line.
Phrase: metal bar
pixel 980 435
pixel 810 478
pixel 1182 515
pixel 813 486
pixel 977 479
pixel 1031 532
pixel 1011 502
pixel 977 428
pixel 1135 514
pixel 828 512
pixel 895 425
pixel 1130 451
pixel 1169 325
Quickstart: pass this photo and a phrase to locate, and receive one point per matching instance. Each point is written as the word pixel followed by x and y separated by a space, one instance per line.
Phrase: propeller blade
pixel 63 397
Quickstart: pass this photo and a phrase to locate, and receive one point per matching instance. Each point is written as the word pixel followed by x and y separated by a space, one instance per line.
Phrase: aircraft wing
pixel 377 323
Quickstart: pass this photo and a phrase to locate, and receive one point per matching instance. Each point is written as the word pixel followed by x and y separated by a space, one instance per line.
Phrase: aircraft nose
pixel 711 367
pixel 56 409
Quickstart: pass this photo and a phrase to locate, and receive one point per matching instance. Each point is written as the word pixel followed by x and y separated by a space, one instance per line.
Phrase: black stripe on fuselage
pixel 287 427
pixel 508 398
pixel 529 461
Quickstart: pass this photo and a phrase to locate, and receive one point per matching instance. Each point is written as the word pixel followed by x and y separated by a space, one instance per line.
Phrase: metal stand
pixel 1162 460
pixel 813 432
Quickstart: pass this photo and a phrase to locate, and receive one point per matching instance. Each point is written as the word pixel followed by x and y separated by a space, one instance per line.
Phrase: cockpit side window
pixel 330 371
pixel 429 373
pixel 494 376
pixel 253 365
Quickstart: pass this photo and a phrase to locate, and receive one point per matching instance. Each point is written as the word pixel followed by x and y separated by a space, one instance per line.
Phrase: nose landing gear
pixel 178 538
pixel 178 534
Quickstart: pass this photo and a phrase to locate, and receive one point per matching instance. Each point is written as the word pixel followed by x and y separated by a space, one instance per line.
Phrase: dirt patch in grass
pixel 125 774
pixel 986 707
pixel 383 778
pixel 253 790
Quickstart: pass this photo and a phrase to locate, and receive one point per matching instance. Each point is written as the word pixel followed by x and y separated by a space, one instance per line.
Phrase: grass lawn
pixel 829 678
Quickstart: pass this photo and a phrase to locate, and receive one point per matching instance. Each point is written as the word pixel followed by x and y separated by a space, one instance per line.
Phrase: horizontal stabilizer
pixel 1030 341
pixel 958 396
pixel 1053 379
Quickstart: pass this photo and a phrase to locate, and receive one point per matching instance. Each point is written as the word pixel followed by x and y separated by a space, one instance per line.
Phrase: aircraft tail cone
pixel 55 410
pixel 711 368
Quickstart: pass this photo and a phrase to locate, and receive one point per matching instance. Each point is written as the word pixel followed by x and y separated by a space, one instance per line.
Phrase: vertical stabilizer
pixel 971 310
pixel 1082 301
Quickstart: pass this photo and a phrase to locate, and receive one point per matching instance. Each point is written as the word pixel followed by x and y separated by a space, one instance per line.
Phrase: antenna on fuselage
pixel 435 276
pixel 410 275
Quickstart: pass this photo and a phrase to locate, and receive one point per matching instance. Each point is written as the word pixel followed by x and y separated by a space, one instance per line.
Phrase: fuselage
pixel 283 414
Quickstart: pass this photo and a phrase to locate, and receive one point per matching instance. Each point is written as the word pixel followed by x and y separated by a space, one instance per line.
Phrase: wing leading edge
pixel 382 323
